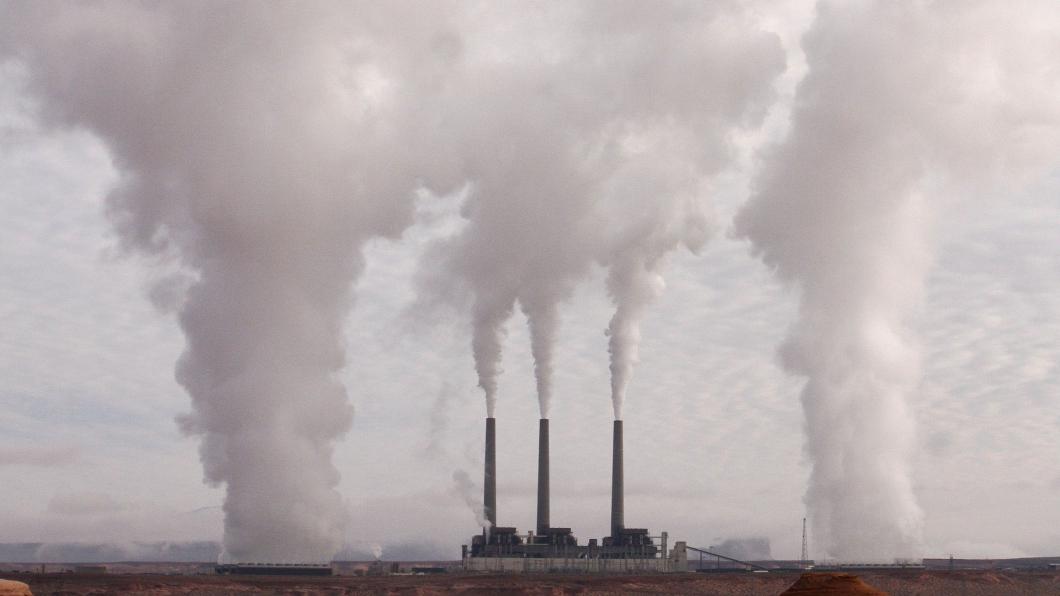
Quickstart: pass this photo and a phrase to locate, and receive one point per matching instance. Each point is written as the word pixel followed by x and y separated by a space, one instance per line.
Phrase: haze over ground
pixel 714 427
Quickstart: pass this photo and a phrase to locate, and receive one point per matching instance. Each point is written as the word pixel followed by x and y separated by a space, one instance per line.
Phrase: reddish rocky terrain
pixel 831 584
pixel 912 583
pixel 13 588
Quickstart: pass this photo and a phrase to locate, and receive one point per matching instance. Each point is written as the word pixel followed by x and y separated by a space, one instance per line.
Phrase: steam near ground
pixel 260 149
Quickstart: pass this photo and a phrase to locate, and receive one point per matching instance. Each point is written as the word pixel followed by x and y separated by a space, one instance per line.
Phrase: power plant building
pixel 503 549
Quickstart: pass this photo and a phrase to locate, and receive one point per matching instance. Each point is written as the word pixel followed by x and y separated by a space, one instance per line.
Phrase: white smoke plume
pixel 259 146
pixel 588 137
pixel 657 211
pixel 465 488
pixel 438 423
pixel 903 104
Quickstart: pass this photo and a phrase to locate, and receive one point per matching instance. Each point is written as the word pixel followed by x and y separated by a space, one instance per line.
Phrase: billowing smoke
pixel 751 548
pixel 465 488
pixel 903 104
pixel 589 137
pixel 657 209
pixel 259 146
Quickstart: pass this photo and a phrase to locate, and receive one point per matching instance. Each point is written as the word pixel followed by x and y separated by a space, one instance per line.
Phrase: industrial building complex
pixel 555 549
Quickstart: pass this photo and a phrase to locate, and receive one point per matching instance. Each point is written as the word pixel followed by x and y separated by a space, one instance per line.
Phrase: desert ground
pixel 919 583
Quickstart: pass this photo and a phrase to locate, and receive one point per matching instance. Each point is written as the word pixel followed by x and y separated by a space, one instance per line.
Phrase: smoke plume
pixel 655 210
pixel 588 139
pixel 258 150
pixel 903 104
pixel 751 548
pixel 465 488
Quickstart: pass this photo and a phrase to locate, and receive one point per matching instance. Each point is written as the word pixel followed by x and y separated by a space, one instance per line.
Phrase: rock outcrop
pixel 13 588
pixel 831 584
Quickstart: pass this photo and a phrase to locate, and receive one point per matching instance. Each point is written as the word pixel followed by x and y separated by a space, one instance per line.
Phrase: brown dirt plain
pixel 912 583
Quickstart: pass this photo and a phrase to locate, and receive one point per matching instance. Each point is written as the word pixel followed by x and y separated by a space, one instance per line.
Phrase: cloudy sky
pixel 91 450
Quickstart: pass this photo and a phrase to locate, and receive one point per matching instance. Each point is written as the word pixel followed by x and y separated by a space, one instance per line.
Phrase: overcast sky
pixel 90 449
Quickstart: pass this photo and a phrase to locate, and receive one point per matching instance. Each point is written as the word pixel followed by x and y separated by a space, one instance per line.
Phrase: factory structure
pixel 554 549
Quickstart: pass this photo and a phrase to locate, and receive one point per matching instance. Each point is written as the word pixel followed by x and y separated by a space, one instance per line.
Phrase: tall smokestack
pixel 542 478
pixel 489 494
pixel 617 489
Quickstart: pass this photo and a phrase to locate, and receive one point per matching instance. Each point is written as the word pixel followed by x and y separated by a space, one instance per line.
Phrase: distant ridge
pixel 86 552
pixel 204 551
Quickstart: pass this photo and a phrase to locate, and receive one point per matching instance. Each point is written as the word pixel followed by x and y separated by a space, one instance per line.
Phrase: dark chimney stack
pixel 489 492
pixel 542 478
pixel 618 521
